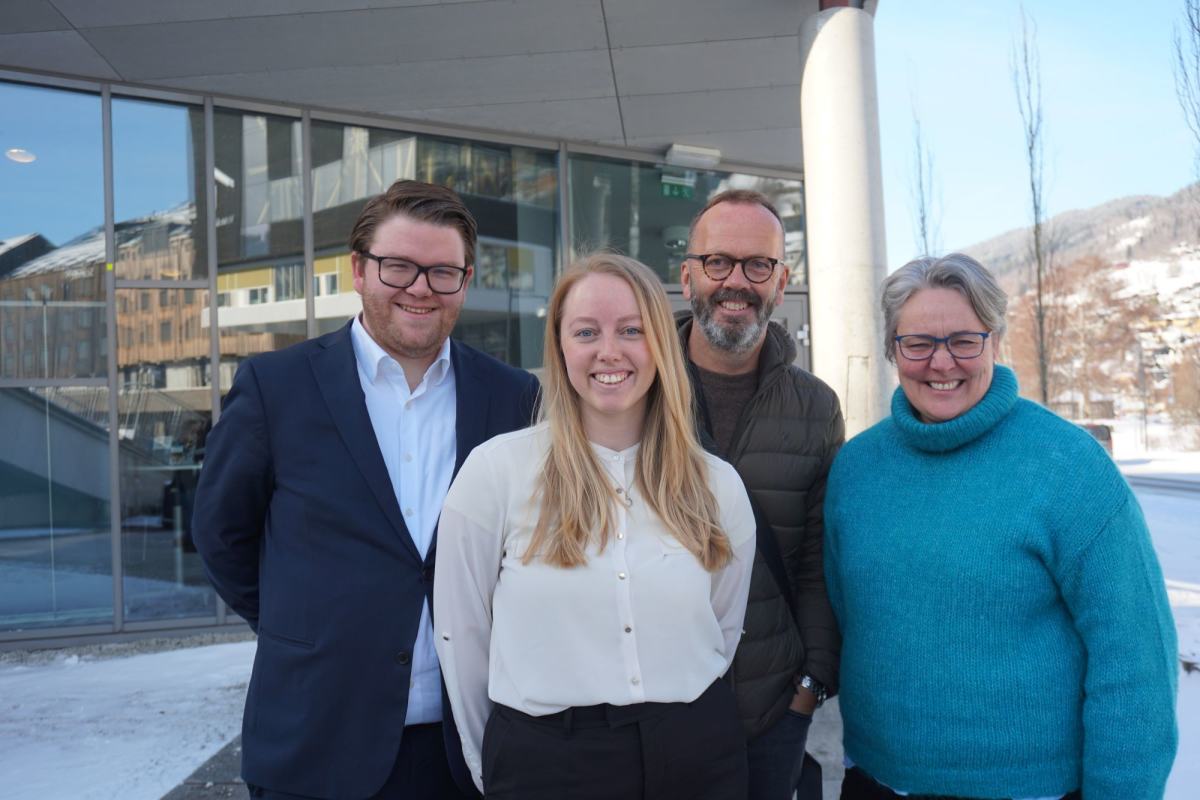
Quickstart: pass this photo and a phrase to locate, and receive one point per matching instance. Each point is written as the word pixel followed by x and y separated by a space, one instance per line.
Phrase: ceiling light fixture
pixel 20 155
pixel 688 155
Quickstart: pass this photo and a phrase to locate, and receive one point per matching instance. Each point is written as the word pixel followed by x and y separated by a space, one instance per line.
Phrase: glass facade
pixel 55 529
pixel 227 237
pixel 158 190
pixel 55 555
pixel 511 191
pixel 165 412
pixel 52 311
pixel 261 304
pixel 645 210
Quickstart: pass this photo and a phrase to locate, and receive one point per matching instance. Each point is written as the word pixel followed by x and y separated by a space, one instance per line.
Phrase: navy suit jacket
pixel 302 535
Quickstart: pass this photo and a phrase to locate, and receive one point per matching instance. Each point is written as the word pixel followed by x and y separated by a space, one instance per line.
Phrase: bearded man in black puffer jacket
pixel 780 427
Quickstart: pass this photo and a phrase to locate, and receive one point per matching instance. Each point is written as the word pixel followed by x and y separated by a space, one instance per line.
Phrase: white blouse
pixel 642 621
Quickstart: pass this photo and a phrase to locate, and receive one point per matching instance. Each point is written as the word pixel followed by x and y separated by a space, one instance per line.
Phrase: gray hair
pixel 956 271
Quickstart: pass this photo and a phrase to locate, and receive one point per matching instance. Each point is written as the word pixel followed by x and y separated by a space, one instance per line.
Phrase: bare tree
pixel 1187 72
pixel 1027 82
pixel 926 229
pixel 1185 386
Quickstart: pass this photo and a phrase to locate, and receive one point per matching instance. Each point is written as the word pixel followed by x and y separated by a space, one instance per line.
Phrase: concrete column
pixel 843 195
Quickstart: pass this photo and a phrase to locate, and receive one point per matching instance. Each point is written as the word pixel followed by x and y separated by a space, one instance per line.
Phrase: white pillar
pixel 843 198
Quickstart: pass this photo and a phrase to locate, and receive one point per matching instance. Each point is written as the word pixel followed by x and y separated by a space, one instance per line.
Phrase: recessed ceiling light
pixel 20 155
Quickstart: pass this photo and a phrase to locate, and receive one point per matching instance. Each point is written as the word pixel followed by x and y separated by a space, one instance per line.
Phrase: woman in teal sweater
pixel 1006 627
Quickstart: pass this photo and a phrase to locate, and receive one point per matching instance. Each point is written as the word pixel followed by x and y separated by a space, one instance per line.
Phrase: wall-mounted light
pixel 688 155
pixel 20 155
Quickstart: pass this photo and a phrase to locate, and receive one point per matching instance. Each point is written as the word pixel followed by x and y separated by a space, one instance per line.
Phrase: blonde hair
pixel 577 496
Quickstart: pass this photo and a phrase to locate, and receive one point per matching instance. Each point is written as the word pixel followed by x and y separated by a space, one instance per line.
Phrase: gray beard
pixel 733 339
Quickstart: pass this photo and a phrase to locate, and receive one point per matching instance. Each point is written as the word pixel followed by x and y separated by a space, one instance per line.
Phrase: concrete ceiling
pixel 635 73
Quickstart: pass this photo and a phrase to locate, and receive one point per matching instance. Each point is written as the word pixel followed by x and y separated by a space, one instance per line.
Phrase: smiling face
pixel 410 324
pixel 733 313
pixel 943 388
pixel 607 358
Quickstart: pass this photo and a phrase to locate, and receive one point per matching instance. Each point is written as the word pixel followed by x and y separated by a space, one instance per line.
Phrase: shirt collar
pixel 371 356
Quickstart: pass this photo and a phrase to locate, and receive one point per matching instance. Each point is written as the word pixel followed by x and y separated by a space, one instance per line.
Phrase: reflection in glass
pixel 260 236
pixel 645 210
pixel 511 191
pixel 52 321
pixel 158 189
pixel 55 551
pixel 165 413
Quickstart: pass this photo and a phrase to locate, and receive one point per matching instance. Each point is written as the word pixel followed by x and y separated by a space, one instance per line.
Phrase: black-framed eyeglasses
pixel 961 344
pixel 719 266
pixel 400 273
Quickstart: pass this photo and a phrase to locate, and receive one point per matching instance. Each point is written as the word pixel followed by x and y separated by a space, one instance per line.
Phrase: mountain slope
pixel 1137 228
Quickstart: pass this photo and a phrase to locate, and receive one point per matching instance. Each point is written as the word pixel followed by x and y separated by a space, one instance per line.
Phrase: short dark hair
pixel 424 202
pixel 747 196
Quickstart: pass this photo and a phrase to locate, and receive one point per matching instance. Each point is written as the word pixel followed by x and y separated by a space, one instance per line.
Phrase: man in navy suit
pixel 317 509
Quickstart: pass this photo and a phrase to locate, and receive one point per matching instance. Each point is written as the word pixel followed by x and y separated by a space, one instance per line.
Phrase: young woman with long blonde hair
pixel 592 570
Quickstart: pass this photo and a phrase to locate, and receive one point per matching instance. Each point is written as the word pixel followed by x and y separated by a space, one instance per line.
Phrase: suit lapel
pixel 472 401
pixel 336 371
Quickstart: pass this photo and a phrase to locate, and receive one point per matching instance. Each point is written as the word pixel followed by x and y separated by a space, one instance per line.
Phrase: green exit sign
pixel 676 190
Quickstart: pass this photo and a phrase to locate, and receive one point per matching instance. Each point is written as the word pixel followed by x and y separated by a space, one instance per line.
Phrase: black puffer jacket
pixel 783 446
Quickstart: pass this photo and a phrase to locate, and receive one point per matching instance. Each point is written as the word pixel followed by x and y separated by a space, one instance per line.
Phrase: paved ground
pixel 217 778
pixel 825 744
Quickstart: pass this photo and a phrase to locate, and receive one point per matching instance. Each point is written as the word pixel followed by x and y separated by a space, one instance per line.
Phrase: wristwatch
pixel 813 685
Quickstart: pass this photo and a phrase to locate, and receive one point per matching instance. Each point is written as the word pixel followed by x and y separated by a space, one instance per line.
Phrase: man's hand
pixel 804 701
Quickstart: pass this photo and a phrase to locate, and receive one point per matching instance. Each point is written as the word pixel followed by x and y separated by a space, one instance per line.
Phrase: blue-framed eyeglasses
pixel 960 345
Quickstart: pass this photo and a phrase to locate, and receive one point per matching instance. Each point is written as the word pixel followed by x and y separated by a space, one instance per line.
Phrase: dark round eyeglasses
pixel 922 346
pixel 719 266
pixel 400 273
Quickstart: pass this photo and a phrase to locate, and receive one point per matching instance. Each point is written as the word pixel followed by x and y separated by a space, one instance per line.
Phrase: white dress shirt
pixel 416 434
pixel 641 621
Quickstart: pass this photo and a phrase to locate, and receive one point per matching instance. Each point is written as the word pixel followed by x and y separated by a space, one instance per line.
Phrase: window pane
pixel 260 242
pixel 645 210
pixel 55 547
pixel 51 234
pixel 165 413
pixel 511 191
pixel 158 189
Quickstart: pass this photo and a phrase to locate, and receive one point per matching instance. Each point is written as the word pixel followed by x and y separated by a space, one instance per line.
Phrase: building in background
pixel 179 181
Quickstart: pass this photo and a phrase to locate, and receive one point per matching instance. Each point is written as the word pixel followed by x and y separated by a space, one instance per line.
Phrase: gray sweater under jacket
pixel 783 445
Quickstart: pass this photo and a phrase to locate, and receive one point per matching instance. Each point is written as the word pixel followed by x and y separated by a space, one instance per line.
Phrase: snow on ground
pixel 1185 775
pixel 1174 521
pixel 128 728
pixel 1184 466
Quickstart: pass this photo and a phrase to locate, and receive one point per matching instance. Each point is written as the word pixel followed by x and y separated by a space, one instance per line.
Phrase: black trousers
pixel 858 785
pixel 648 751
pixel 421 771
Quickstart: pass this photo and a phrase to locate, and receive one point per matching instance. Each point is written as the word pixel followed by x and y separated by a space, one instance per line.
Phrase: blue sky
pixel 1112 124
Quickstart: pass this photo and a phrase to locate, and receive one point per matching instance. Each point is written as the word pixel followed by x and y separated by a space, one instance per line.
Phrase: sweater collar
pixel 942 437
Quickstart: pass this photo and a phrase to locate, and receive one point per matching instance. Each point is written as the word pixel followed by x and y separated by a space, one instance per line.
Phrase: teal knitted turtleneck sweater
pixel 1006 627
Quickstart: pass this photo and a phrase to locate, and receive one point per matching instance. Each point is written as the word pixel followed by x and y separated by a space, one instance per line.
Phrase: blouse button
pixel 634 681
pixel 620 535
pixel 621 575
pixel 628 629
